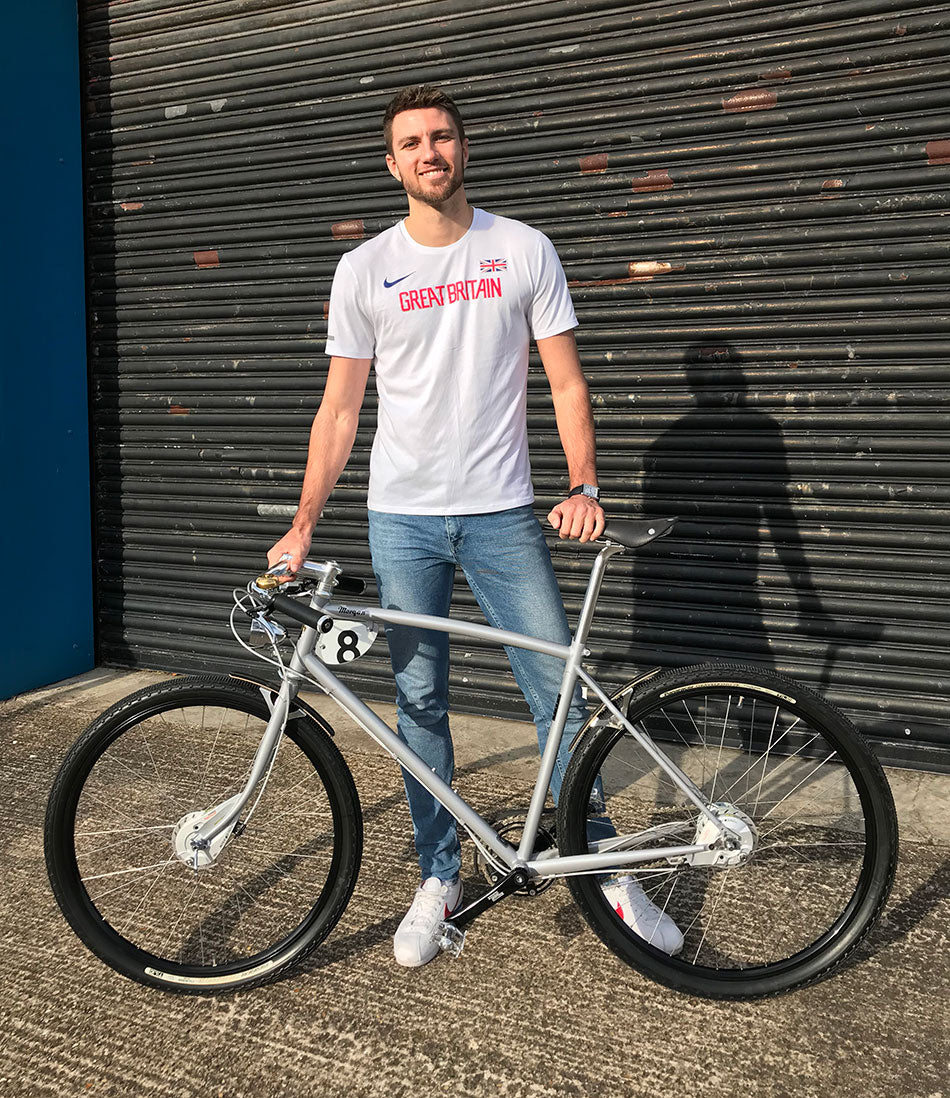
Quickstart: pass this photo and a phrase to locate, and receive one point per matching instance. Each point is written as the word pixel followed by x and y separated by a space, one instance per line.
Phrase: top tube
pixel 457 626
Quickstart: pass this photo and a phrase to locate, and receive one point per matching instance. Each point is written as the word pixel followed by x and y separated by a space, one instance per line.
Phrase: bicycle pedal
pixel 451 939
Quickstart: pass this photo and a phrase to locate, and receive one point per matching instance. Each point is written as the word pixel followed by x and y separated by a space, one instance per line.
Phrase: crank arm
pixel 511 882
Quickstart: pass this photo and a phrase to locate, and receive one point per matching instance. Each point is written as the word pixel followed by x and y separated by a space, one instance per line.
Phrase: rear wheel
pixel 813 818
pixel 124 799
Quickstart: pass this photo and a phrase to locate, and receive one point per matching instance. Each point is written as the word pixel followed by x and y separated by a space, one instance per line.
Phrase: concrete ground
pixel 534 1006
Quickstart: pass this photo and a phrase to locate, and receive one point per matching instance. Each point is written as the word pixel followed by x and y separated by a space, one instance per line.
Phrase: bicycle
pixel 205 834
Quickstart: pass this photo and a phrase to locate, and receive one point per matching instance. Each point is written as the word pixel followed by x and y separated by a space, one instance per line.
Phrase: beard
pixel 435 194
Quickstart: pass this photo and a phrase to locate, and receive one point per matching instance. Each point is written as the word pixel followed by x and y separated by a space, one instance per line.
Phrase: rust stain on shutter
pixel 938 152
pixel 207 259
pixel 646 269
pixel 348 230
pixel 750 99
pixel 833 185
pixel 596 162
pixel 657 179
pixel 640 271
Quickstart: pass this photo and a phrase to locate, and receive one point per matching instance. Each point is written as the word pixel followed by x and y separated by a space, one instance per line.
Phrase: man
pixel 445 303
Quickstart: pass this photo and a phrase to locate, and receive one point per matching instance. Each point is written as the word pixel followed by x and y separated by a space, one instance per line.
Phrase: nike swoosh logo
pixel 388 284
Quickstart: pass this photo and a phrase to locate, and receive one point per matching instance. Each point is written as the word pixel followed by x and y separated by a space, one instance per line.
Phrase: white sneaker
pixel 416 940
pixel 631 903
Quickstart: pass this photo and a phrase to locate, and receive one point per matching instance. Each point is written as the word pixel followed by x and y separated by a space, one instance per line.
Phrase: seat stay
pixel 689 788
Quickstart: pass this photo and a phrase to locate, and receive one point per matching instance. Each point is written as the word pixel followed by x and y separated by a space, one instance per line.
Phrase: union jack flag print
pixel 494 265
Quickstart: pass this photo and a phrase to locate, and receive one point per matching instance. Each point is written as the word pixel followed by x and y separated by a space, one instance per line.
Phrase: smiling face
pixel 428 158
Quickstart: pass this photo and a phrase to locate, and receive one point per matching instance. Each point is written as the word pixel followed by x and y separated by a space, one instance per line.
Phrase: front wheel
pixel 814 840
pixel 121 870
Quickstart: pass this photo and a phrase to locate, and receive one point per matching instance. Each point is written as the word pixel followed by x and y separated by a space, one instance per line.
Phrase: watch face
pixel 586 490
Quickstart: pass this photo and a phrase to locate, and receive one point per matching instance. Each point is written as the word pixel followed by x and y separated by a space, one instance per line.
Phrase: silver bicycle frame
pixel 305 661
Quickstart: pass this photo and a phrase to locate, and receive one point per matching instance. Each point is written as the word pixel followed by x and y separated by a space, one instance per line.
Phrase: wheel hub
pixel 732 847
pixel 190 849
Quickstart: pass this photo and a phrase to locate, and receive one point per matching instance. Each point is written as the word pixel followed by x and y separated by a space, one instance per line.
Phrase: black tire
pixel 825 850
pixel 277 887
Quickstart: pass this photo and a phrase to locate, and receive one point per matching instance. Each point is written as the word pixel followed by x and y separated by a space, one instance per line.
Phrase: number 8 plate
pixel 345 641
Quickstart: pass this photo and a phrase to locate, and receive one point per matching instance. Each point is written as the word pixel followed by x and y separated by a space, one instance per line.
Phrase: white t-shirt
pixel 449 329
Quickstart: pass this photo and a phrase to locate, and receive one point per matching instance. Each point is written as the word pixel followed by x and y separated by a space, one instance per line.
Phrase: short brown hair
pixel 418 97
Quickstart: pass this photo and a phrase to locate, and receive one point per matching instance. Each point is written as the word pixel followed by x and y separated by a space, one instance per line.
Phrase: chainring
pixel 511 831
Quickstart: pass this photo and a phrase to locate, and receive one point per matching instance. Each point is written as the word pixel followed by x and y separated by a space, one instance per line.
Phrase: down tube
pixel 377 728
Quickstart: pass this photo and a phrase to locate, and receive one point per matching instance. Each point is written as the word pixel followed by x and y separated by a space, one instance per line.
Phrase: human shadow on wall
pixel 722 468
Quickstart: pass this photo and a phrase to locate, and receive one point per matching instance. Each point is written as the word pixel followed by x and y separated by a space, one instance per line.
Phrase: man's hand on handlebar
pixel 579 518
pixel 293 546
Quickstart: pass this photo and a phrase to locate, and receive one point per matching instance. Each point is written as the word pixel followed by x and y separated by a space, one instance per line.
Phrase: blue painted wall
pixel 46 546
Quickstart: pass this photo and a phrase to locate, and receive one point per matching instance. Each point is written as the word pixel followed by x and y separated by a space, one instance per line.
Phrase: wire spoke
pixel 764 760
pixel 131 869
pixel 181 915
pixel 123 831
pixel 288 853
pixel 709 918
pixel 148 891
pixel 796 787
pixel 110 806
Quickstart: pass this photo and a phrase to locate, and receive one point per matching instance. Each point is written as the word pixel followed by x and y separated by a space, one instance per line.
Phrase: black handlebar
pixel 300 611
pixel 350 585
pixel 297 610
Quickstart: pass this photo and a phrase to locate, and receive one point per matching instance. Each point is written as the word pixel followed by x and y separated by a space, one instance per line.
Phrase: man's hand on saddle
pixel 578 518
pixel 291 550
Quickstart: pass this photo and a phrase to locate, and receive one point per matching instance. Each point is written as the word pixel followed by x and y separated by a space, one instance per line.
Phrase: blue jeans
pixel 508 567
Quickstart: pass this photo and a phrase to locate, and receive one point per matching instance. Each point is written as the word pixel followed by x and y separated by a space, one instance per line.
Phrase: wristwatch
pixel 585 490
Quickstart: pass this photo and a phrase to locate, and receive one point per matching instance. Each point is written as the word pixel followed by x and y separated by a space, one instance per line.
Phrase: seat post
pixel 556 731
pixel 586 615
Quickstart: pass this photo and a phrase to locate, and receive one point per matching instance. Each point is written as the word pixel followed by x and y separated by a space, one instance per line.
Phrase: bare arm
pixel 578 516
pixel 331 440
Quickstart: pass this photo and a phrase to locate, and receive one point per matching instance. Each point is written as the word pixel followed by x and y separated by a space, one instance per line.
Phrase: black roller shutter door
pixel 749 199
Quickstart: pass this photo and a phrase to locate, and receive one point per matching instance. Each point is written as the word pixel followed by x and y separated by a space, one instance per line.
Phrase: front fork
pixel 210 828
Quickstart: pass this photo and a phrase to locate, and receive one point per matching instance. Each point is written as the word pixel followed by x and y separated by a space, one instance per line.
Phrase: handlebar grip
pixel 297 610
